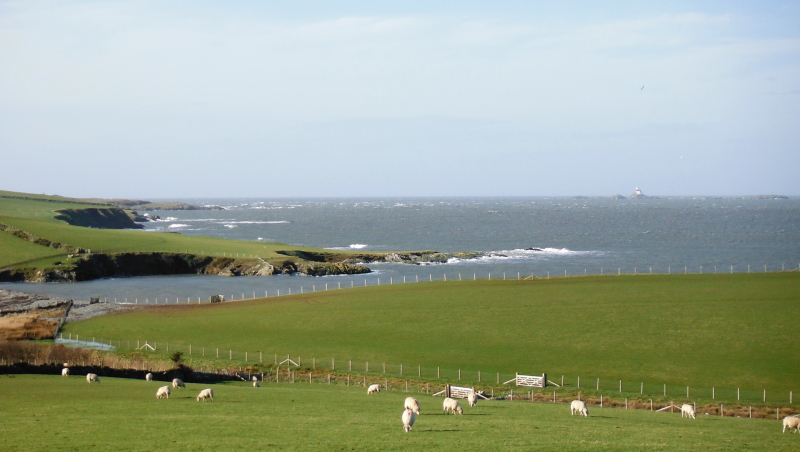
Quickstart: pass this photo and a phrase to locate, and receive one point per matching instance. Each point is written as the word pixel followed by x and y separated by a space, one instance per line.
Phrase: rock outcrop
pixel 100 218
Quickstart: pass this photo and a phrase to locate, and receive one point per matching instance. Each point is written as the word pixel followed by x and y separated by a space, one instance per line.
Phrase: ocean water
pixel 522 236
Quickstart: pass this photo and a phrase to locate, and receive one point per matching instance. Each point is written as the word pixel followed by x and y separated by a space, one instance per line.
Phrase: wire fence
pixel 491 381
pixel 431 277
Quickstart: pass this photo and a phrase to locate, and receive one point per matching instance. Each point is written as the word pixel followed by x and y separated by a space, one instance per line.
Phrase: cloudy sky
pixel 415 98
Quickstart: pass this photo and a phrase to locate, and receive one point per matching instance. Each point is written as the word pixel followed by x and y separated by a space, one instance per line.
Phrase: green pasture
pixel 36 216
pixel 723 331
pixel 51 413
pixel 15 250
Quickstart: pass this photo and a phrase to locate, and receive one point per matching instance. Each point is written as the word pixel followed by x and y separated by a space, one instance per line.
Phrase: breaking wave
pixel 523 254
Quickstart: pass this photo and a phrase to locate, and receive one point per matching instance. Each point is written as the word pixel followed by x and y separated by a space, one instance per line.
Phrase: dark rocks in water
pixel 533 249
pixel 618 196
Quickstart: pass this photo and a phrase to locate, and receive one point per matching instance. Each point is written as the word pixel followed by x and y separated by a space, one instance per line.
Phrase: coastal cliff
pixel 98 218
pixel 95 266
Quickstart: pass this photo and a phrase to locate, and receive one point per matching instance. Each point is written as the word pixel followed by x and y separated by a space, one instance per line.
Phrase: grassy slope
pixel 704 330
pixel 51 413
pixel 15 249
pixel 36 217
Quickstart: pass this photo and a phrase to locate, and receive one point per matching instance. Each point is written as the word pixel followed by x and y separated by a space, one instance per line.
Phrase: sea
pixel 521 237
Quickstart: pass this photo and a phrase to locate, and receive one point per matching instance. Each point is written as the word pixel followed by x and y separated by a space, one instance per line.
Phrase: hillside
pixel 52 238
pixel 700 330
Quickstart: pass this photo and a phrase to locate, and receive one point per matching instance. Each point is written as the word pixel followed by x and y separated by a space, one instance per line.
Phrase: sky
pixel 176 99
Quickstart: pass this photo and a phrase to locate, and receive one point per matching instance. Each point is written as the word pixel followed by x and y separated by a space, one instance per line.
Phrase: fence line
pixel 563 383
pixel 303 289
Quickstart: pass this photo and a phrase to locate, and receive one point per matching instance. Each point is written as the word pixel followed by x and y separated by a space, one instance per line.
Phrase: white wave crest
pixel 358 246
pixel 178 225
pixel 523 254
pixel 256 222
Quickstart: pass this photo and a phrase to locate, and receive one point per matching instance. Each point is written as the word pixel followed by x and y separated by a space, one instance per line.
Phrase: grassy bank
pixel 36 216
pixel 54 413
pixel 729 331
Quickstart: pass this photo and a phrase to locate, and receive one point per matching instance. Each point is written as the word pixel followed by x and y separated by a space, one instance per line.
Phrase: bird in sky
pixel 641 88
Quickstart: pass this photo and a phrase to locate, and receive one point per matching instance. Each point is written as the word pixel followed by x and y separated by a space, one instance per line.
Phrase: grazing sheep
pixel 792 422
pixel 178 383
pixel 408 419
pixel 373 388
pixel 579 407
pixel 163 392
pixel 65 372
pixel 92 378
pixel 256 384
pixel 452 405
pixel 412 404
pixel 148 377
pixel 472 398
pixel 688 411
pixel 205 394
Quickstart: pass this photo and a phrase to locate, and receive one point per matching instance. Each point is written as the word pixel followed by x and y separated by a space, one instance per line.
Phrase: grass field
pixel 36 216
pixel 56 414
pixel 725 331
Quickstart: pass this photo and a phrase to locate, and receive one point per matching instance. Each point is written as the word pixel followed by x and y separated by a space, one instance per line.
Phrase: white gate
pixel 531 381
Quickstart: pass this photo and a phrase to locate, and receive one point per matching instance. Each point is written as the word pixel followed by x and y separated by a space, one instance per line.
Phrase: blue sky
pixel 183 99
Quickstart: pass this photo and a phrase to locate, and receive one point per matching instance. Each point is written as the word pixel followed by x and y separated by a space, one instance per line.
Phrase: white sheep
pixel 256 384
pixel 205 394
pixel 579 407
pixel 412 404
pixel 408 419
pixel 178 383
pixel 163 392
pixel 148 377
pixel 255 378
pixel 373 388
pixel 791 422
pixel 687 411
pixel 472 398
pixel 92 378
pixel 65 372
pixel 452 405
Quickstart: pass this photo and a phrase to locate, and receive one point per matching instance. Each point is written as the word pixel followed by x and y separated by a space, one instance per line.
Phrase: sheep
pixel 255 378
pixel 163 392
pixel 408 419
pixel 579 407
pixel 92 378
pixel 373 388
pixel 688 411
pixel 65 372
pixel 148 377
pixel 412 404
pixel 256 384
pixel 472 398
pixel 206 394
pixel 452 405
pixel 178 383
pixel 792 422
